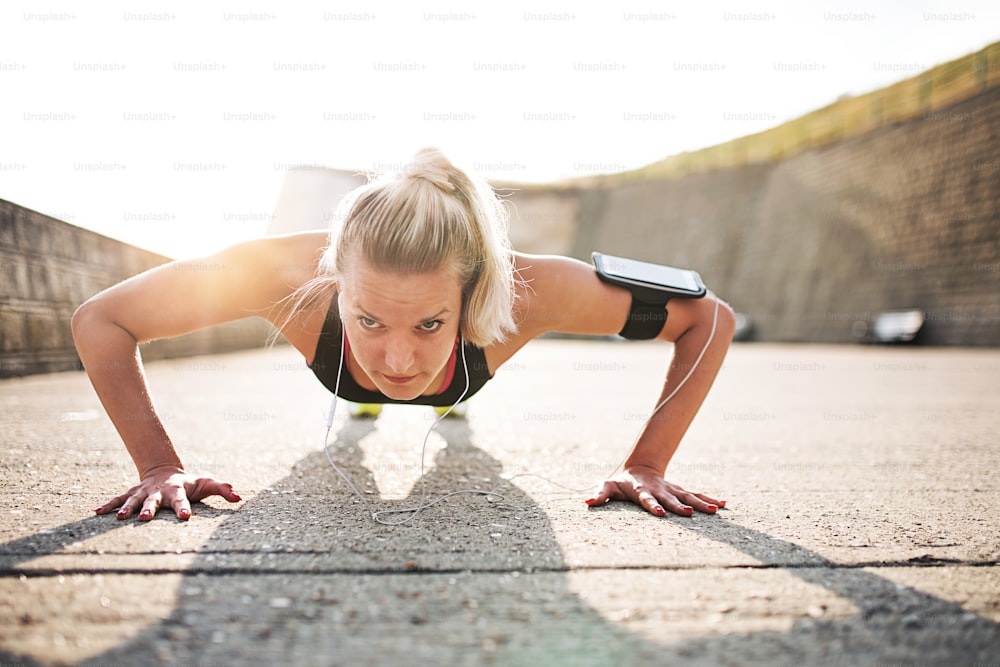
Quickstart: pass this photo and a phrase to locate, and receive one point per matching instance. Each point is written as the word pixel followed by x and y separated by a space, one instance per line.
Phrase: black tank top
pixel 329 351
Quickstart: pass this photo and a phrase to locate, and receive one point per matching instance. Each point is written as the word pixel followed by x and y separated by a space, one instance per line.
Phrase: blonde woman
pixel 416 286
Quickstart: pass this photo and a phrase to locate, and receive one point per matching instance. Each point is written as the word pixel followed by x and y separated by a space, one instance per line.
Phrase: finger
pixel 710 500
pixel 650 503
pixel 125 511
pixel 695 501
pixel 609 491
pixel 204 487
pixel 673 504
pixel 150 506
pixel 112 504
pixel 229 494
pixel 701 502
pixel 180 504
pixel 182 508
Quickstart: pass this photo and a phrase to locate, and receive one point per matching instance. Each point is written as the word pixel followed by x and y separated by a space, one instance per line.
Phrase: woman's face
pixel 402 326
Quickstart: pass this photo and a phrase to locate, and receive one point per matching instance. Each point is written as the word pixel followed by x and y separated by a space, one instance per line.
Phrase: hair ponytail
pixel 430 164
pixel 424 216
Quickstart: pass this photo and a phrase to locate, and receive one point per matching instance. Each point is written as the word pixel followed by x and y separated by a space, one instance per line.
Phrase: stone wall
pixel 815 246
pixel 48 268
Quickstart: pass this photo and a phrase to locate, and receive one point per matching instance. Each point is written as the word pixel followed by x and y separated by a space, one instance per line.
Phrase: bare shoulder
pixel 243 280
pixel 562 294
pixel 565 295
pixel 287 261
pixel 559 294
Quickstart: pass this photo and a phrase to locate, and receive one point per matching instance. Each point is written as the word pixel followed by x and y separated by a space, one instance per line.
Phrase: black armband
pixel 645 320
pixel 651 286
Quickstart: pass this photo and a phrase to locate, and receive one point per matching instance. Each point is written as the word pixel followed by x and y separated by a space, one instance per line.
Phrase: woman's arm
pixel 565 295
pixel 689 326
pixel 171 300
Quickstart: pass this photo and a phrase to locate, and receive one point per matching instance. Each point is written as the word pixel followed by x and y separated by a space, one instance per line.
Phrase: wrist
pixel 165 468
pixel 644 465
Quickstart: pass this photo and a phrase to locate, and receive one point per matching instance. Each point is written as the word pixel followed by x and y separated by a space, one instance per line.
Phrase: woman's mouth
pixel 399 379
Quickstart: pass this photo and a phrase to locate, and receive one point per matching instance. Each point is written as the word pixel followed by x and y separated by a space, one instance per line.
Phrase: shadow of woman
pixel 300 575
pixel 894 623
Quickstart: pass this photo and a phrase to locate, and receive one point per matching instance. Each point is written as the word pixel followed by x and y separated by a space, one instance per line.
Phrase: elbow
pixel 88 322
pixel 726 323
pixel 82 321
pixel 94 321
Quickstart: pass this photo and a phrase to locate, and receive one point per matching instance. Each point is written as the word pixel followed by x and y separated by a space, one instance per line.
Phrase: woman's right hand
pixel 170 487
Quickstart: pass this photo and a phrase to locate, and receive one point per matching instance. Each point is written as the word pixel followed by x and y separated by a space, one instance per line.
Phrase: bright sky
pixel 170 124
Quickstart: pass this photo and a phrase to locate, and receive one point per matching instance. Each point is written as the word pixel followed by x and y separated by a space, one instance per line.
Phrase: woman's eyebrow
pixel 366 313
pixel 443 311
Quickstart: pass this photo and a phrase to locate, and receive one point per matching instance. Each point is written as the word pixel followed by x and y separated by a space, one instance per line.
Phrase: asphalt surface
pixel 861 525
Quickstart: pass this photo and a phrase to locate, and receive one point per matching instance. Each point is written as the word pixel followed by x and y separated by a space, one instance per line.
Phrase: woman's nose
pixel 399 355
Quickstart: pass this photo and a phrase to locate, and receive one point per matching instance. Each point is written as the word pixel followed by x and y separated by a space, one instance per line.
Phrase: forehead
pixel 393 295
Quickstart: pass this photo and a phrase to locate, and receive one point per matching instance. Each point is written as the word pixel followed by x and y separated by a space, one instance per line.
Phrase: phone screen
pixel 654 274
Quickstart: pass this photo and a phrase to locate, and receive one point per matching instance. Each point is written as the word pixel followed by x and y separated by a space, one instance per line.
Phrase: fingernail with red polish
pixel 590 501
pixel 712 508
pixel 659 510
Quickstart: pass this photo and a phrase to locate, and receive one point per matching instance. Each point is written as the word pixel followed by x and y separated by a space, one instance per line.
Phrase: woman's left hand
pixel 647 488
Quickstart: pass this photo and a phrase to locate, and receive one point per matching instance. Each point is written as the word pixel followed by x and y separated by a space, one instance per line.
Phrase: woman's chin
pixel 401 392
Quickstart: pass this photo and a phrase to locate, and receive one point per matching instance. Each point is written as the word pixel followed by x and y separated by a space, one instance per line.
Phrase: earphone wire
pixel 491 495
pixel 413 511
pixel 687 376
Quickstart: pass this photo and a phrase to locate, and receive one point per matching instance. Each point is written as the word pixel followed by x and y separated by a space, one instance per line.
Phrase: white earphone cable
pixel 411 512
pixel 491 495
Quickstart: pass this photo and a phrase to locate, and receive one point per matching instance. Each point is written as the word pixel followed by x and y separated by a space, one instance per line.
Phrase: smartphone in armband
pixel 650 283
pixel 651 286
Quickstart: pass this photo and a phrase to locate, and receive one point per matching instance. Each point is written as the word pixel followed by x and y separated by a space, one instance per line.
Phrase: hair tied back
pixel 430 164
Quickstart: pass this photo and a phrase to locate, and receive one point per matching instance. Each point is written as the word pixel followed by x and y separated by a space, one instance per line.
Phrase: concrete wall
pixel 902 217
pixel 543 219
pixel 48 267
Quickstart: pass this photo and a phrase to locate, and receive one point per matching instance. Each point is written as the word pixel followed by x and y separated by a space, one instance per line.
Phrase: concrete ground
pixel 861 527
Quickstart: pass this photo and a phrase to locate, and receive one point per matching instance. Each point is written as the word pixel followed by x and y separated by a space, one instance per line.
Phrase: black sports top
pixel 329 352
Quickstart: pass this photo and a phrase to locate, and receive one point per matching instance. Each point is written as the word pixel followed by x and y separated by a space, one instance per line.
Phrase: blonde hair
pixel 423 217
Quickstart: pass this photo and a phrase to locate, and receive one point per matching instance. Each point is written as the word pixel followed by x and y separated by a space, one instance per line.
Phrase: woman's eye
pixel 367 322
pixel 432 325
